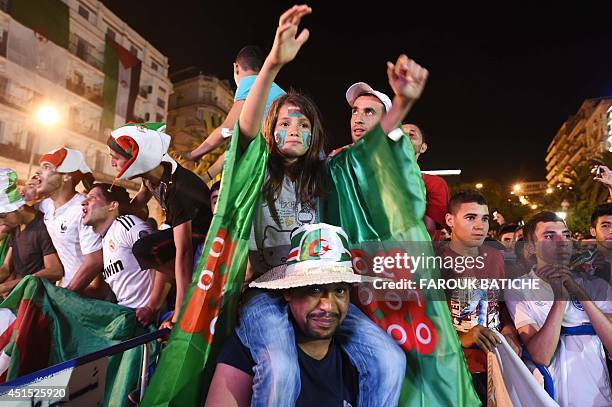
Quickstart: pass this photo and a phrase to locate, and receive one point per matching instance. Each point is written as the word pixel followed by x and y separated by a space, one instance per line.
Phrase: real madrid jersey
pixel 131 285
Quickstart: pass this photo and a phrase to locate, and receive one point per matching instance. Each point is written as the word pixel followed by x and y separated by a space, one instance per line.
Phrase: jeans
pixel 266 330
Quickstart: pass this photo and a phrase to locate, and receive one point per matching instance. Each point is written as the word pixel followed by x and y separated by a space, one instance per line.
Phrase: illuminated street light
pixel 561 214
pixel 47 115
pixel 479 185
pixel 534 206
pixel 516 187
pixel 549 190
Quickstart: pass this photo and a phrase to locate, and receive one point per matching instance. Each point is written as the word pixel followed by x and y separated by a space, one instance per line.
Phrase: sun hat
pixel 319 255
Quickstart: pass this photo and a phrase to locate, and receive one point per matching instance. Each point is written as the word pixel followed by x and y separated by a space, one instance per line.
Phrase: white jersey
pixel 131 285
pixel 71 238
pixel 578 367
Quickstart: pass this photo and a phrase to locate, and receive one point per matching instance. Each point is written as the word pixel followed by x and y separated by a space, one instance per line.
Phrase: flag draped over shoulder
pixel 54 325
pixel 121 84
pixel 378 197
pixel 379 200
pixel 209 312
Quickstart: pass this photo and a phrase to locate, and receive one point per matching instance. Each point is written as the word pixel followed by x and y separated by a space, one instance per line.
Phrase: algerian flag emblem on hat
pixel 319 255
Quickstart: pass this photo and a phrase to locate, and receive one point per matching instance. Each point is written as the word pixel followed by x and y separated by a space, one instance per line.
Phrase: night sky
pixel 503 78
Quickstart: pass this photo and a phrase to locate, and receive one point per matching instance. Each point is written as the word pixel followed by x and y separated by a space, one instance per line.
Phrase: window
pixel 159 117
pixel 111 34
pixel 147 116
pixel 154 66
pixel 134 51
pixel 83 12
pixel 162 91
pixel 161 103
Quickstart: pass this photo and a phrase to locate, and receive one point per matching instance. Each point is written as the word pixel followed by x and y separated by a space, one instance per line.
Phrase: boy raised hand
pixel 285 48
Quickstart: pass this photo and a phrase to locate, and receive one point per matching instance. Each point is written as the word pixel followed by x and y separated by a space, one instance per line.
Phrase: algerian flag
pixel 37 40
pixel 378 176
pixel 47 18
pixel 121 82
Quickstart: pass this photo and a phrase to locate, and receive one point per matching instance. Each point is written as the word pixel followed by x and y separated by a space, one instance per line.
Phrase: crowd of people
pixel 323 349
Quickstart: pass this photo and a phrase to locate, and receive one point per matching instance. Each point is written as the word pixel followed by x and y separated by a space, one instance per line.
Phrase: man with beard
pixel 316 284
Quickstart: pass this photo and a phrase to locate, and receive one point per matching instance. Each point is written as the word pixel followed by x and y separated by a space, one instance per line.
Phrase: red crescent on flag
pixel 313 246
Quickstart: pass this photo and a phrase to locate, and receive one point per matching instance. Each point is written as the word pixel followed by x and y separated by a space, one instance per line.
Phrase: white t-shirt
pixel 71 238
pixel 270 241
pixel 131 285
pixel 578 368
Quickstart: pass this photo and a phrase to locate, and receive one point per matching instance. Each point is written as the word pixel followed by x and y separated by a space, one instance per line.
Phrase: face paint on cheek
pixel 280 136
pixel 306 138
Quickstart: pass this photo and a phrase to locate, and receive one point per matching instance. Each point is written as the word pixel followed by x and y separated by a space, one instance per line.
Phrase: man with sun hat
pixel 315 286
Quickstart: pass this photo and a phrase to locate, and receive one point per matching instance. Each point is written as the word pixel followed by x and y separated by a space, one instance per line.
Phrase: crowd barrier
pixel 76 382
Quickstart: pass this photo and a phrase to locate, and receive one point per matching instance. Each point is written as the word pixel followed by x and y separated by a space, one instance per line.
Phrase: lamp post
pixel 47 116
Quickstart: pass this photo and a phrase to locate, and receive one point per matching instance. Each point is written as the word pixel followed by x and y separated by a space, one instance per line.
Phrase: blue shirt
pixel 245 85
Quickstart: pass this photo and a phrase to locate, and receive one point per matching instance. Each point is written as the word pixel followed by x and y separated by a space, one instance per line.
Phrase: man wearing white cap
pixel 367 108
pixel 315 283
pixel 31 250
pixel 79 246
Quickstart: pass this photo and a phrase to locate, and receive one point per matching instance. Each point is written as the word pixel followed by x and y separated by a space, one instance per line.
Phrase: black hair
pixel 115 193
pixel 250 57
pixel 465 196
pixel 532 223
pixel 599 211
pixel 508 228
pixel 215 186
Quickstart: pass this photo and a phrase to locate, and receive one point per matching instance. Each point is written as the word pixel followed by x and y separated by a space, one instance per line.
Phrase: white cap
pixel 359 88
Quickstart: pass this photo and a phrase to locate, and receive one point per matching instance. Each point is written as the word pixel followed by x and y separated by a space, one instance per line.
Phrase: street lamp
pixel 47 116
pixel 479 185
pixel 516 187
pixel 549 191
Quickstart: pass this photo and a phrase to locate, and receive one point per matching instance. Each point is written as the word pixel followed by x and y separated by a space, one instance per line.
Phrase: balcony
pixel 86 52
pixel 87 92
pixel 14 152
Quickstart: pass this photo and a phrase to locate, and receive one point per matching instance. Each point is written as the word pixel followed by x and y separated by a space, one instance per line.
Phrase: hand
pixel 407 78
pixel 479 335
pixel 145 315
pixel 286 44
pixel 168 322
pixel 185 155
pixel 558 277
pixel 605 175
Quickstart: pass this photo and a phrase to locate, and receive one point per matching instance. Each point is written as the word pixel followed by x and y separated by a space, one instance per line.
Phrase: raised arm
pixel 407 79
pixel 285 48
pixel 216 139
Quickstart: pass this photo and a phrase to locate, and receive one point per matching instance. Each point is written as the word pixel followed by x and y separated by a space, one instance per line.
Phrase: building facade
pixel 198 105
pixel 585 136
pixel 78 59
